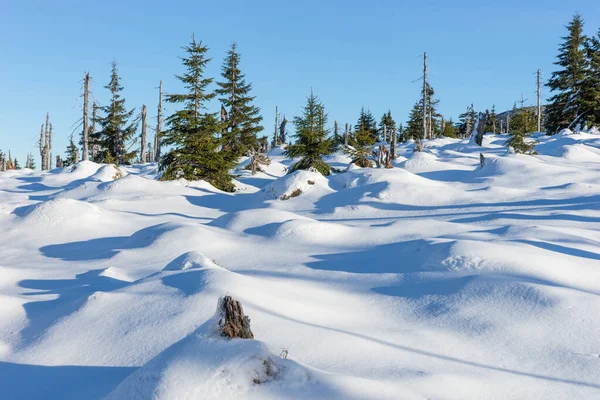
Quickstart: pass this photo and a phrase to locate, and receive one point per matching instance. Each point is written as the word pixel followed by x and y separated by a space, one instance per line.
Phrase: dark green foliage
pixel 360 147
pixel 523 120
pixel 366 122
pixel 192 132
pixel 591 84
pixel 466 122
pixel 243 118
pixel 71 153
pixel 566 106
pixel 449 130
pixel 520 125
pixel 490 119
pixel 30 162
pixel 414 125
pixel 116 130
pixel 388 122
pixel 311 138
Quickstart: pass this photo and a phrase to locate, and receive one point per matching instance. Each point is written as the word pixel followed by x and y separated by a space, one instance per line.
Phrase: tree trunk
pixel 86 91
pixel 143 149
pixel 158 126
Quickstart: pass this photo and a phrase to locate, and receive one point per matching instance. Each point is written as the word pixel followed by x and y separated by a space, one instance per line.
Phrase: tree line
pixel 205 144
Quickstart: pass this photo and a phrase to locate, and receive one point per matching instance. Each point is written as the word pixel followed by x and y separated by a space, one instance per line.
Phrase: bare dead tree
pixel 143 138
pixel 86 93
pixel 158 133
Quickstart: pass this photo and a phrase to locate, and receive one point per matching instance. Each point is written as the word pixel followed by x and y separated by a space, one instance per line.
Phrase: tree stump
pixel 233 322
pixel 479 138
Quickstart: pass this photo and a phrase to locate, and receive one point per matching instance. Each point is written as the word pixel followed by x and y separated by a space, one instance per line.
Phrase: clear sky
pixel 352 53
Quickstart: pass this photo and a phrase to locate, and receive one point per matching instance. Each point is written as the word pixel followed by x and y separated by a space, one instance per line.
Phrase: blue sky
pixel 352 53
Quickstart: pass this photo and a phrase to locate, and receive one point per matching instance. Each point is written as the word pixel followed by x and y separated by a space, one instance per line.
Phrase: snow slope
pixel 437 279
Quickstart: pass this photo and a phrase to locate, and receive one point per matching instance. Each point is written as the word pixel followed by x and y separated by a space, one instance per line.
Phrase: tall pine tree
pixel 591 84
pixel 117 131
pixel 312 142
pixel 243 118
pixel 191 131
pixel 566 106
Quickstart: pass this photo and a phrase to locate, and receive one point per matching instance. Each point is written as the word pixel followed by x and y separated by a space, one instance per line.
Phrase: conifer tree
pixel 116 129
pixel 191 131
pixel 566 105
pixel 243 118
pixel 414 125
pixel 72 153
pixel 366 122
pixel 449 129
pixel 518 131
pixel 312 142
pixel 591 84
pixel 360 146
pixel 386 122
pixel 30 162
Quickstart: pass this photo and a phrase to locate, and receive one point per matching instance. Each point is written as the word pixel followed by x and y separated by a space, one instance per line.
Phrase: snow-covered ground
pixel 437 279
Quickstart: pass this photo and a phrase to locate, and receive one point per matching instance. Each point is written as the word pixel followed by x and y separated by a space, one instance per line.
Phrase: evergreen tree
pixel 414 125
pixel 591 85
pixel 72 153
pixel 17 166
pixel 518 131
pixel 388 122
pixel 243 118
pixel 311 138
pixel 192 132
pixel 361 146
pixel 30 162
pixel 367 122
pixel 566 105
pixel 466 122
pixel 449 130
pixel 432 114
pixel 116 130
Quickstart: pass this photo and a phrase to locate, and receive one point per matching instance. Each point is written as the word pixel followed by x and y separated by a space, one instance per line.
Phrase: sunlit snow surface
pixel 437 279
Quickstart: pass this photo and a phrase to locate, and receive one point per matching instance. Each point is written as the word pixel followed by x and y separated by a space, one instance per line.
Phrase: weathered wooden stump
pixel 233 322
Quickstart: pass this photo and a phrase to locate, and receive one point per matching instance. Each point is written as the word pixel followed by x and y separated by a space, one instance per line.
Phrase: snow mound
pixel 64 212
pixel 241 221
pixel 107 173
pixel 191 260
pixel 205 365
pixel 62 176
pixel 316 232
pixel 295 184
pixel 579 152
pixel 421 162
pixel 133 184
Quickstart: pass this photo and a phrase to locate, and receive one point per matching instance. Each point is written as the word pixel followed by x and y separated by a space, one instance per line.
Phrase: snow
pixel 438 278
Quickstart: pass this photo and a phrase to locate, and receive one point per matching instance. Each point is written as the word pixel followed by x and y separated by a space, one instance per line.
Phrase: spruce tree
pixel 518 131
pixel 591 85
pixel 72 153
pixel 388 122
pixel 243 118
pixel 361 146
pixel 191 131
pixel 366 122
pixel 449 129
pixel 116 129
pixel 414 125
pixel 566 105
pixel 30 162
pixel 311 138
